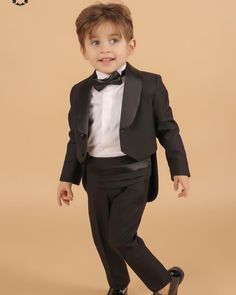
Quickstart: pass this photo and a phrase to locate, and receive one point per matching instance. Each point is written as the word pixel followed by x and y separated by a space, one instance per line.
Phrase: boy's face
pixel 106 51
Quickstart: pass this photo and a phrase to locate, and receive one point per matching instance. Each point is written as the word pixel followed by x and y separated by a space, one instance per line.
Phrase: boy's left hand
pixel 184 181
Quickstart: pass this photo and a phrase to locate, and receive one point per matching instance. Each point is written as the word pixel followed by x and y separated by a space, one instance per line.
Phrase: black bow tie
pixel 115 78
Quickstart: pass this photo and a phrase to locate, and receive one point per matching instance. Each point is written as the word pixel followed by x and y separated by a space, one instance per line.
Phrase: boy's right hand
pixel 64 193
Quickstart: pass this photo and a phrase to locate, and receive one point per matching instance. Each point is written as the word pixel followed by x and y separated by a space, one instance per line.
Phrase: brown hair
pixel 93 15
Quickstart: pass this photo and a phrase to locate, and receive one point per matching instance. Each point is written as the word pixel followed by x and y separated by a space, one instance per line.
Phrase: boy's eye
pixel 95 42
pixel 114 41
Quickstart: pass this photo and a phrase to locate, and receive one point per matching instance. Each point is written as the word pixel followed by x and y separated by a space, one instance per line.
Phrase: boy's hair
pixel 93 15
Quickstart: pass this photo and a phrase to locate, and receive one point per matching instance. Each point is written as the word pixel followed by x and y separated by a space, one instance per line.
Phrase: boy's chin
pixel 108 68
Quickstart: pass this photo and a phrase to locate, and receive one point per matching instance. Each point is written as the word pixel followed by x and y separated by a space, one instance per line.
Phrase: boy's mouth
pixel 106 59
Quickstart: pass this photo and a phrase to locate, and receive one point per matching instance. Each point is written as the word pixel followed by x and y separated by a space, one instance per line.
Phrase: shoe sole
pixel 179 271
pixel 126 292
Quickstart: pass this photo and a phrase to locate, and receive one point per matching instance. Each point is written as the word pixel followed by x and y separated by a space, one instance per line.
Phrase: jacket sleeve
pixel 167 131
pixel 71 170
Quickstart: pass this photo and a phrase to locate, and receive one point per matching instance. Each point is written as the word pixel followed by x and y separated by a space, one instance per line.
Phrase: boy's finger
pixel 183 193
pixel 66 202
pixel 180 195
pixel 58 199
pixel 175 183
pixel 70 194
pixel 66 198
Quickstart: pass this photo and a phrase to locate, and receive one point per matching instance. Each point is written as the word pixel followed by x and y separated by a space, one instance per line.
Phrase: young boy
pixel 115 116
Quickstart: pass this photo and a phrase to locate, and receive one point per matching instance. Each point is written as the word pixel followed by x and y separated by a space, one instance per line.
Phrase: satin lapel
pixel 131 96
pixel 130 102
pixel 83 105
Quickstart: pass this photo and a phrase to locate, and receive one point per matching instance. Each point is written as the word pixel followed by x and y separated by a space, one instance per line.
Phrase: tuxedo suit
pixel 119 187
pixel 145 116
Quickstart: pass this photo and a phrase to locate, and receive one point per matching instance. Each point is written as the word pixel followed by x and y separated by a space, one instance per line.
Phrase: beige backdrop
pixel 47 249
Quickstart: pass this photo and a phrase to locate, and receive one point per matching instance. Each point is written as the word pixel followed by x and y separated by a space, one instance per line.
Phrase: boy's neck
pixel 102 75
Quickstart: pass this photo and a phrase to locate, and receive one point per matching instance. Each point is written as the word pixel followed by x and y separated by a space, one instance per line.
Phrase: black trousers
pixel 117 192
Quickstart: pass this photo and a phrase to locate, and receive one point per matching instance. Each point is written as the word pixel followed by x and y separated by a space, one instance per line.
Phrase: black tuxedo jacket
pixel 145 116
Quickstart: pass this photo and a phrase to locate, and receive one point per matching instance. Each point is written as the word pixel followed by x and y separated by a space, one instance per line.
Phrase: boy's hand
pixel 184 181
pixel 64 193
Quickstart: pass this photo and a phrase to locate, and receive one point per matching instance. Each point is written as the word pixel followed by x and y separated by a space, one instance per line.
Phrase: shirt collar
pixel 102 75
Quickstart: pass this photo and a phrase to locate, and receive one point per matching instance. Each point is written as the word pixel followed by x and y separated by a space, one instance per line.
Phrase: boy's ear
pixel 132 45
pixel 81 50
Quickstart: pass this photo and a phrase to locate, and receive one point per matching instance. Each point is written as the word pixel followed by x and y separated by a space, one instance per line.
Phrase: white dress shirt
pixel 104 125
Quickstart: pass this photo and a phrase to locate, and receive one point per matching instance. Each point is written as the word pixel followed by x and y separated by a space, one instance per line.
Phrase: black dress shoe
pixel 177 275
pixel 117 291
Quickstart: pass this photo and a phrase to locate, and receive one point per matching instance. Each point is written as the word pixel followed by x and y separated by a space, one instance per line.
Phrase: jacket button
pixel 82 135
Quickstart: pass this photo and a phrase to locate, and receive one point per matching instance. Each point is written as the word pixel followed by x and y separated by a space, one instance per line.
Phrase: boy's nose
pixel 105 49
